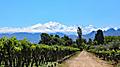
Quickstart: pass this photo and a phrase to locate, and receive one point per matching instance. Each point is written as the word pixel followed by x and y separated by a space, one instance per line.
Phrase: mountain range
pixel 109 32
pixel 52 27
pixel 32 33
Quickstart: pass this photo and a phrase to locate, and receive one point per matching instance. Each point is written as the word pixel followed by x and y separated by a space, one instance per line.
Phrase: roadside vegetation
pixel 52 49
pixel 105 47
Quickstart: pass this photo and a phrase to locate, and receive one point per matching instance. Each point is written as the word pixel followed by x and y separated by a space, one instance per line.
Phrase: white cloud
pixel 52 27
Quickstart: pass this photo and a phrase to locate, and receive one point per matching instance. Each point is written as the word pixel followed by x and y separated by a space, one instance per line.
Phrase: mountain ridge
pixel 35 37
pixel 53 27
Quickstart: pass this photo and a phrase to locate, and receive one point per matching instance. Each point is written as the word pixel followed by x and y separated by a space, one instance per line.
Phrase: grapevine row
pixel 20 53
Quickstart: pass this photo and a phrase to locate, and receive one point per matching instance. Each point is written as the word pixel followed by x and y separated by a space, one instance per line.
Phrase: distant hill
pixel 35 37
pixel 32 37
pixel 109 32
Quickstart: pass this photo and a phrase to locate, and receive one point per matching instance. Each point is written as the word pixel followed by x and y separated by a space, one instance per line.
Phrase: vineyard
pixel 110 51
pixel 109 55
pixel 20 53
pixel 52 49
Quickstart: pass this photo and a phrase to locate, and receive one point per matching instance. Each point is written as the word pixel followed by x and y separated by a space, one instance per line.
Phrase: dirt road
pixel 85 59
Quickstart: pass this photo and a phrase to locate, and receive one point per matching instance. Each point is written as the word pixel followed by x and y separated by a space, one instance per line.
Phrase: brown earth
pixel 85 59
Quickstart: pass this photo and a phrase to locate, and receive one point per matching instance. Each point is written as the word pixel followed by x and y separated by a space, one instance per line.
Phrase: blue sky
pixel 21 13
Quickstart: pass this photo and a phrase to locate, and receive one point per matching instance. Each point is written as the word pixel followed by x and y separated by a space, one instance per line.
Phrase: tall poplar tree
pixel 79 40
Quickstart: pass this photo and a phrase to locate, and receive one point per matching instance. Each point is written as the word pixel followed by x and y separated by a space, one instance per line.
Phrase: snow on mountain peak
pixel 46 25
pixel 51 27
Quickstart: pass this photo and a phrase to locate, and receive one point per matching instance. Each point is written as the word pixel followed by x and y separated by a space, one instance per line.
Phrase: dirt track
pixel 85 59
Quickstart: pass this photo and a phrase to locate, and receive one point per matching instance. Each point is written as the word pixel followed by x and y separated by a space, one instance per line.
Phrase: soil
pixel 85 59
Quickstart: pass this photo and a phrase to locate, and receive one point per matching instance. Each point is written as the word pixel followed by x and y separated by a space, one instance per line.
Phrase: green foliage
pixel 79 40
pixel 110 51
pixel 111 38
pixel 79 32
pixel 114 45
pixel 45 38
pixel 109 55
pixel 55 40
pixel 21 53
pixel 89 42
pixel 67 41
pixel 99 37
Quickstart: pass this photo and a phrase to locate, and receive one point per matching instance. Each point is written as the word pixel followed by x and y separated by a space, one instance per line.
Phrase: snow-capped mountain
pixel 32 33
pixel 52 27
